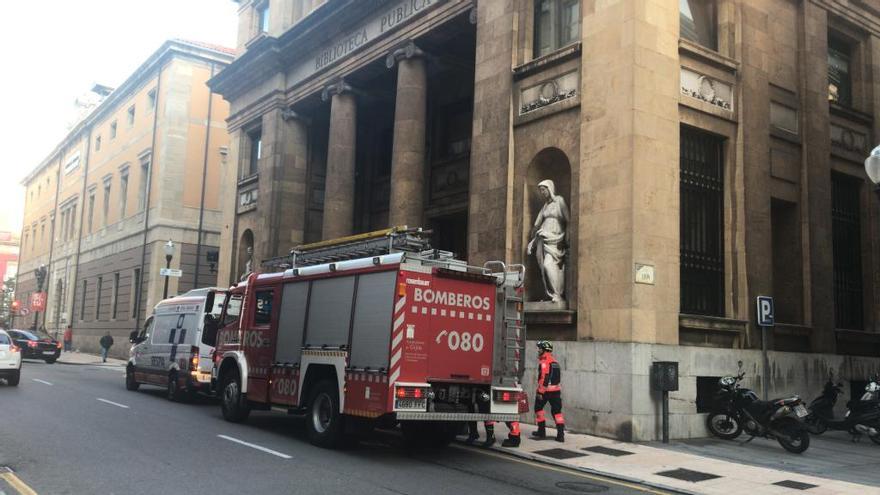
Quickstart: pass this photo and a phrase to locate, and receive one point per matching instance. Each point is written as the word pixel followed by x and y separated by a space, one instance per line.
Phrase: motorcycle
pixel 736 409
pixel 862 416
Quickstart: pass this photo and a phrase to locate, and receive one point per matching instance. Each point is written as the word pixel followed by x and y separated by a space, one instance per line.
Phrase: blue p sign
pixel 766 312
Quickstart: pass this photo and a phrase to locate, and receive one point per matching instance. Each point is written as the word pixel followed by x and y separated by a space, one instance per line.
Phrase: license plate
pixel 800 410
pixel 419 404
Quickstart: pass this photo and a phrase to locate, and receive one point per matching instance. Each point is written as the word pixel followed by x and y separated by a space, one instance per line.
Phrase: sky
pixel 53 51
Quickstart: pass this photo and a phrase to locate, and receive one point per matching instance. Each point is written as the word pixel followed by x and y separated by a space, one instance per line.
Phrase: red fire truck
pixel 372 330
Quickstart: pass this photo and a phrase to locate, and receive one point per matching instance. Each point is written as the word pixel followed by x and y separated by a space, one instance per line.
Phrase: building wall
pixel 610 135
pixel 106 241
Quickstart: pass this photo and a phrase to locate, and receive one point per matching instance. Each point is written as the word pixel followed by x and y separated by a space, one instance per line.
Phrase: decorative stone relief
pixel 706 89
pixel 849 139
pixel 549 242
pixel 247 199
pixel 549 92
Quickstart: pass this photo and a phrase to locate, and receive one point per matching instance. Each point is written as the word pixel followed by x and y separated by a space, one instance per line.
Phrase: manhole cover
pixel 797 485
pixel 560 454
pixel 581 487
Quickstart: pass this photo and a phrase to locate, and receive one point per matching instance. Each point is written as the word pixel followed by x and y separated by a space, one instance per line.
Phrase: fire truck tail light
pixel 507 396
pixel 401 289
pixel 411 392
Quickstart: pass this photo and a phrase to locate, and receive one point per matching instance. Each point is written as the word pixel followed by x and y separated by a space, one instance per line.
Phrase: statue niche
pixel 548 250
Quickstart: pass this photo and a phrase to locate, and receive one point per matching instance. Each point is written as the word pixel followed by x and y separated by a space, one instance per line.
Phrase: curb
pixel 513 452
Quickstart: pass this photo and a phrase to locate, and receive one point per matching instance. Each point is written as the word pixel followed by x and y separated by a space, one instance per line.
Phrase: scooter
pixel 737 409
pixel 862 416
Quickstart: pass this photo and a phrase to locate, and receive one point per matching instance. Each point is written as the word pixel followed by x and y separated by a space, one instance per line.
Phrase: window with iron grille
pixel 701 223
pixel 846 233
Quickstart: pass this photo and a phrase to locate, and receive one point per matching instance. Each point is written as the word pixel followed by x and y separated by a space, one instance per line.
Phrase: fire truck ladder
pixel 513 338
pixel 377 243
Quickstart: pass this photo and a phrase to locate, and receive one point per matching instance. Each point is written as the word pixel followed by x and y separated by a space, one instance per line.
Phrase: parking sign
pixel 766 314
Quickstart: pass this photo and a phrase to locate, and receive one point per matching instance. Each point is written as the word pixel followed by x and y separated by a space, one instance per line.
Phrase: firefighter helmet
pixel 545 345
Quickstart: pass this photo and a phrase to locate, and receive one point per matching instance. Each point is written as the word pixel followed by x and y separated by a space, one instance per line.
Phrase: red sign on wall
pixel 38 301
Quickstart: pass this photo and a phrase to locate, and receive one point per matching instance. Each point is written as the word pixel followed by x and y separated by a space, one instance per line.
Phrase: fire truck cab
pixel 374 329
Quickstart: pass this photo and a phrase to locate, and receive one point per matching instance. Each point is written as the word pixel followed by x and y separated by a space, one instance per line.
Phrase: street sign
pixel 38 301
pixel 24 312
pixel 766 312
pixel 170 272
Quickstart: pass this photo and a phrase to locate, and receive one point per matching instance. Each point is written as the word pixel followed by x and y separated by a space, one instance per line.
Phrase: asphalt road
pixel 69 429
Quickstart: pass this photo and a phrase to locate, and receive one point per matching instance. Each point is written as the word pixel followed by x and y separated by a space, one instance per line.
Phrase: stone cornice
pixel 862 13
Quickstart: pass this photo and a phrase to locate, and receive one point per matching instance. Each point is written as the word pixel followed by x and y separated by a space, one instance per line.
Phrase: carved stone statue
pixel 249 265
pixel 549 241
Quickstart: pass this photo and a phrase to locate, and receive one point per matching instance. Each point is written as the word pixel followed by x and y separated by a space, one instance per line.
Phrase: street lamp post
pixel 169 253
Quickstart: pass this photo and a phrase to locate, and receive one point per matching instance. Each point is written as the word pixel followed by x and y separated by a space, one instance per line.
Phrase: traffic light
pixel 16 305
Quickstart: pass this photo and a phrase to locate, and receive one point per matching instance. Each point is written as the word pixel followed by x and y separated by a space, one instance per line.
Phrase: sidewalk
pixel 667 469
pixel 76 357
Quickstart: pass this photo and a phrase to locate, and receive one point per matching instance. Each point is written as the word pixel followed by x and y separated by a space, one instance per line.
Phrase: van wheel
pixel 130 382
pixel 14 378
pixel 233 404
pixel 324 421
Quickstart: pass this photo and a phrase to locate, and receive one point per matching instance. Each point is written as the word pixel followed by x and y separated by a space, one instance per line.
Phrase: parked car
pixel 10 360
pixel 36 345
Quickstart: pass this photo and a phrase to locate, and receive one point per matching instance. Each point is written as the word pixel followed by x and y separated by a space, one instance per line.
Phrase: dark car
pixel 36 345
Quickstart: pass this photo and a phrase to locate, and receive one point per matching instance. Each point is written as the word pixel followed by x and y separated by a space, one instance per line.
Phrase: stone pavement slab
pixel 683 471
pixel 75 357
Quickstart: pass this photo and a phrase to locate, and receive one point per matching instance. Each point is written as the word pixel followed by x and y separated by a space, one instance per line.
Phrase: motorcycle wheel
pixel 799 439
pixel 723 425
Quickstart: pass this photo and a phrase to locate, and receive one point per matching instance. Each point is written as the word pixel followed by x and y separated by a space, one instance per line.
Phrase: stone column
pixel 407 203
pixel 339 182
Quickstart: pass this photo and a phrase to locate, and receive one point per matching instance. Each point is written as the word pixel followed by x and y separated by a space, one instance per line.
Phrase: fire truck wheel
pixel 232 402
pixel 324 422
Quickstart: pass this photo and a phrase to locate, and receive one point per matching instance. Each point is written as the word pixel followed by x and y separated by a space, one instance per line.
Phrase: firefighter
pixel 512 439
pixel 549 390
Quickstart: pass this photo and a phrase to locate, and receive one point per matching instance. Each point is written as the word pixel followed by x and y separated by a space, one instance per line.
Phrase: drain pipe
pixel 204 180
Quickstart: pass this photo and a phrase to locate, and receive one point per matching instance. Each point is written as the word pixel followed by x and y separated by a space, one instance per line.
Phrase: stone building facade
pixel 140 169
pixel 701 153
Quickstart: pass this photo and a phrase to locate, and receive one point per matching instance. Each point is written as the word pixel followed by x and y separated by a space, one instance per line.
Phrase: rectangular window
pixel 131 116
pixel 263 18
pixel 151 99
pixel 113 130
pixel 846 234
pixel 839 71
pixel 91 216
pixel 557 24
pixel 115 295
pixel 142 188
pixel 263 313
pixel 106 209
pixel 82 300
pixel 123 192
pixel 701 224
pixel 72 221
pixel 98 298
pixel 698 22
pixel 135 291
pixel 255 138
pixel 98 143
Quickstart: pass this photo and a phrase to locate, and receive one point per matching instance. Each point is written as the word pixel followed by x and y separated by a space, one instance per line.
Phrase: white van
pixel 168 351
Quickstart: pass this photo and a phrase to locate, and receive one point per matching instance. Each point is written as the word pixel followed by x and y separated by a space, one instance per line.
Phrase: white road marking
pixel 253 446
pixel 105 368
pixel 113 403
pixel 41 381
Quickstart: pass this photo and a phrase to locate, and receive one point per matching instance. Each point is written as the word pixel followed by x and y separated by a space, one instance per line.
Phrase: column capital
pixel 337 88
pixel 406 50
pixel 288 114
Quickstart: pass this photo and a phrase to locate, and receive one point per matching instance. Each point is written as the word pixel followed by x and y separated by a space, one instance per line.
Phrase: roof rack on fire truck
pixel 377 243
